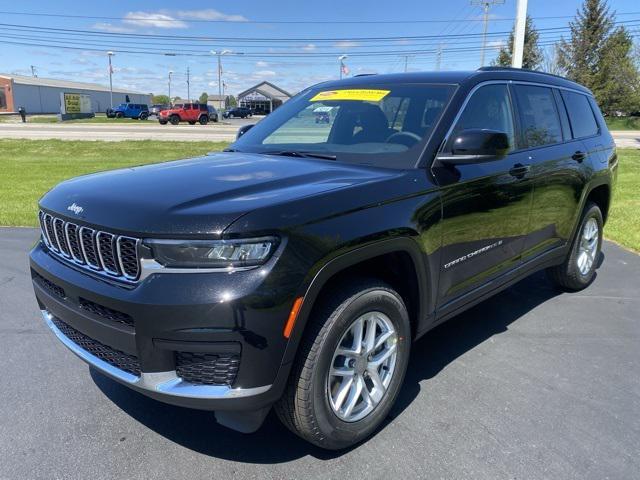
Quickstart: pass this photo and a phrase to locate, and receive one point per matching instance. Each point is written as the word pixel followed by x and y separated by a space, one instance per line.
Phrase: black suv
pixel 295 269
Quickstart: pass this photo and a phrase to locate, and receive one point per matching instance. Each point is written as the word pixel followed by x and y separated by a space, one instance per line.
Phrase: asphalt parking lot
pixel 529 384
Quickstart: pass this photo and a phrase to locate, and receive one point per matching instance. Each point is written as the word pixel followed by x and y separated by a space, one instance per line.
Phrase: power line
pixel 170 20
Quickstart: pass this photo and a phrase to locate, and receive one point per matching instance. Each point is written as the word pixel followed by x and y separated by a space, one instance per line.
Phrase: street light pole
pixel 219 54
pixel 110 54
pixel 188 86
pixel 518 38
pixel 170 73
pixel 341 59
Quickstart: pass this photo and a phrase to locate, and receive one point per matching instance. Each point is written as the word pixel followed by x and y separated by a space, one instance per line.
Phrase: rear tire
pixel 174 119
pixel 162 122
pixel 323 406
pixel 579 268
pixel 118 114
pixel 144 116
pixel 203 120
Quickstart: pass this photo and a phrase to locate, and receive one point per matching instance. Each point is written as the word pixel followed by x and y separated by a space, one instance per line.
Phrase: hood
pixel 200 196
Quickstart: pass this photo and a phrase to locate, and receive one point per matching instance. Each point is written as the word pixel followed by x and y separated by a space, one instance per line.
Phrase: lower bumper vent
pixel 48 285
pixel 116 358
pixel 207 369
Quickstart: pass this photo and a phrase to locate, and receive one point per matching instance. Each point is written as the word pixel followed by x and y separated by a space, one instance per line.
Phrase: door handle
pixel 519 170
pixel 579 156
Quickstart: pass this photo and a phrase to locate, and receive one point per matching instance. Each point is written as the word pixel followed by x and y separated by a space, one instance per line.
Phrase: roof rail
pixel 512 69
pixel 364 74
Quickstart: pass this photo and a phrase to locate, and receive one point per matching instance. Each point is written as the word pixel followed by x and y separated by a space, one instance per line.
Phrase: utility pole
pixel 110 54
pixel 33 71
pixel 518 38
pixel 170 73
pixel 485 4
pixel 406 62
pixel 439 57
pixel 188 87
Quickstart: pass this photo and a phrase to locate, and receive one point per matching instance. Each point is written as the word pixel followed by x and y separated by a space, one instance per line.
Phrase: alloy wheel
pixel 362 366
pixel 588 246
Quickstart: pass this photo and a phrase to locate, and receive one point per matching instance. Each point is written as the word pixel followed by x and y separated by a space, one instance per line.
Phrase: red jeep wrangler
pixel 188 112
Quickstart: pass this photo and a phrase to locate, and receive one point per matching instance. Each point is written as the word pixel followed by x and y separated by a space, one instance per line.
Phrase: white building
pixel 42 95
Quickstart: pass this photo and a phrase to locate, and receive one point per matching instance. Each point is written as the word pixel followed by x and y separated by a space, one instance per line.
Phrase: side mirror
pixel 476 145
pixel 244 129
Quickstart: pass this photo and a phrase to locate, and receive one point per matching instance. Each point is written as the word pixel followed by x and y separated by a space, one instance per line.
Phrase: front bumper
pixel 173 313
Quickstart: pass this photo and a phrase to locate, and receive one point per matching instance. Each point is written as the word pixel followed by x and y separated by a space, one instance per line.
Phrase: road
pixel 151 130
pixel 530 384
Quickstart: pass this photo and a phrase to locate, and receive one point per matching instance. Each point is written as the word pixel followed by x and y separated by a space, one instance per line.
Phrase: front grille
pixel 48 285
pixel 206 368
pixel 115 256
pixel 116 358
pixel 105 312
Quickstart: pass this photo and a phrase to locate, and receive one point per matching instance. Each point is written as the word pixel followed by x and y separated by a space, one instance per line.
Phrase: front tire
pixel 118 114
pixel 174 119
pixel 579 268
pixel 350 367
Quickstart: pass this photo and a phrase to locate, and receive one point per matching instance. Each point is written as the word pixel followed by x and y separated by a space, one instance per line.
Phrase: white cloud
pixel 346 44
pixel 109 27
pixel 261 64
pixel 209 14
pixel 308 47
pixel 265 73
pixel 151 19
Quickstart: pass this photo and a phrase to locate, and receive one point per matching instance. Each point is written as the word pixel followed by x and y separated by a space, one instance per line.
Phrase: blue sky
pixel 292 55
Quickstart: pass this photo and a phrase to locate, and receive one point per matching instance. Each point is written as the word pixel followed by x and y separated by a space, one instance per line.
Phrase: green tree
pixel 617 82
pixel 231 101
pixel 160 99
pixel 600 57
pixel 532 54
pixel 204 96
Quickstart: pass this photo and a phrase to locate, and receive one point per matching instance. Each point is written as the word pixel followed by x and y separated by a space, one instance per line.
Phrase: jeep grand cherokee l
pixel 295 269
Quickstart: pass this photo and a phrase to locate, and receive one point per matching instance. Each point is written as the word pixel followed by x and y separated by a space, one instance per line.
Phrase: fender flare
pixel 348 259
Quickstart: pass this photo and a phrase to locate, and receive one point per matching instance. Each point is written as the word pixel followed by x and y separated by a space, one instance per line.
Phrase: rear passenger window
pixel 539 121
pixel 581 116
pixel 489 108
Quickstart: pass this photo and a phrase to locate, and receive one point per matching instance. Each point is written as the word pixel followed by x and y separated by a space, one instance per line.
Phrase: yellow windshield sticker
pixel 364 95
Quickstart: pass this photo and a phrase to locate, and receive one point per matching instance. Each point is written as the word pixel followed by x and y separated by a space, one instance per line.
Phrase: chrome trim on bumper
pixel 165 383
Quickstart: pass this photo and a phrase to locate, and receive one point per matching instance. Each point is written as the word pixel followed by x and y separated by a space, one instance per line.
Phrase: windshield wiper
pixel 295 153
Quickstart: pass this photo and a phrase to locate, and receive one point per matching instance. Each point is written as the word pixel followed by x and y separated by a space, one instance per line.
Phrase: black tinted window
pixel 539 119
pixel 581 116
pixel 489 108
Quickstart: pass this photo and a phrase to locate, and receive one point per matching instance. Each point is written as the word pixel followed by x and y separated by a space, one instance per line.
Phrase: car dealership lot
pixel 529 384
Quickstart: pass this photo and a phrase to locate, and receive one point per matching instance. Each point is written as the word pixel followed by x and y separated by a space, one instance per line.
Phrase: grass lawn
pixel 623 123
pixel 623 225
pixel 31 167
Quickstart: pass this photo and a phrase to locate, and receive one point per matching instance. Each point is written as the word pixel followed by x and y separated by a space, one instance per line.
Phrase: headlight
pixel 212 253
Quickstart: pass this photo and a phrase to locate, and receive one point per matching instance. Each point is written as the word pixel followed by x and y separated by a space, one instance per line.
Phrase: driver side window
pixel 488 108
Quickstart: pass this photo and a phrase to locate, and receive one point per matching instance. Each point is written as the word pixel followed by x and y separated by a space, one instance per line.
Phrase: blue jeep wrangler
pixel 129 110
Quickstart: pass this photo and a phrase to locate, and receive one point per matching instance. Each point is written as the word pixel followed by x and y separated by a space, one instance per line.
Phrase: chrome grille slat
pixel 104 253
pixel 61 241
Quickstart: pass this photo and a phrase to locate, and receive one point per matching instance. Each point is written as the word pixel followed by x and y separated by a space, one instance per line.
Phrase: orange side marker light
pixel 293 316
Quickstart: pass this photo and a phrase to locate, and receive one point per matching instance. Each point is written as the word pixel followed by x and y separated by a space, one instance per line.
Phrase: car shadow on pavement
pixel 273 443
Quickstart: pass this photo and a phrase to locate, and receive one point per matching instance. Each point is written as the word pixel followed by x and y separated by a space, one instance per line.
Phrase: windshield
pixel 385 125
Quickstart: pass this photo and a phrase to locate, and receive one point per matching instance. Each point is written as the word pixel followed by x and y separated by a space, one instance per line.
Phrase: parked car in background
pixel 213 113
pixel 185 112
pixel 156 109
pixel 238 112
pixel 136 111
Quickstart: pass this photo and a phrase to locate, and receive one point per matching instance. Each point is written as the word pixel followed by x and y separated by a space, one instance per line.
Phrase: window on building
pixel 3 98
